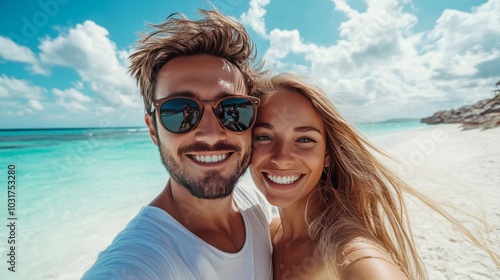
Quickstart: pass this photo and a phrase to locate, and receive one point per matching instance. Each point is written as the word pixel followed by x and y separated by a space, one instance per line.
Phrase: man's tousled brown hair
pixel 214 34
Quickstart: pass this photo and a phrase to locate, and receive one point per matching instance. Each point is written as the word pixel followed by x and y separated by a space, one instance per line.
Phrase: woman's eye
pixel 261 138
pixel 306 140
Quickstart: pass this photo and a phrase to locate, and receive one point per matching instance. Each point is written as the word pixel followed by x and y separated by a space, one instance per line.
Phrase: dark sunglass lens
pixel 179 114
pixel 236 114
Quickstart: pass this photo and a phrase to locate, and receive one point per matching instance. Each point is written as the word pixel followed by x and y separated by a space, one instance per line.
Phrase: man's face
pixel 209 159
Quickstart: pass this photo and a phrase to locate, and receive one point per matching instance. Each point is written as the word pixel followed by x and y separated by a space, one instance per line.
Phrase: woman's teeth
pixel 283 180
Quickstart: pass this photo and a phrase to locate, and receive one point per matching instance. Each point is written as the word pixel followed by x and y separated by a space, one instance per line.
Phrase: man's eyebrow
pixel 185 93
pixel 190 94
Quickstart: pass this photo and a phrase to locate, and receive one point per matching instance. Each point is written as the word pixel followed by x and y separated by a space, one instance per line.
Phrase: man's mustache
pixel 204 147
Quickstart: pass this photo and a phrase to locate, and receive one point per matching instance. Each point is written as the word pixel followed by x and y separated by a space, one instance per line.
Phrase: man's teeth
pixel 285 180
pixel 214 158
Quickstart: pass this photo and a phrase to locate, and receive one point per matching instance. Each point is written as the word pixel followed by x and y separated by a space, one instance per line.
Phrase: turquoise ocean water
pixel 76 188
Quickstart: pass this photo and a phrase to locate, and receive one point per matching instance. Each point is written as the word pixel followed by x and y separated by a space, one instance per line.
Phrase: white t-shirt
pixel 155 246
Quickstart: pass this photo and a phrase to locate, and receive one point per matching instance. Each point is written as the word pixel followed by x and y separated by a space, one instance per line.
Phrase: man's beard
pixel 212 185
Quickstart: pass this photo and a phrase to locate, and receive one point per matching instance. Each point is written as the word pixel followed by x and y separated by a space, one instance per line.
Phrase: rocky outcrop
pixel 483 114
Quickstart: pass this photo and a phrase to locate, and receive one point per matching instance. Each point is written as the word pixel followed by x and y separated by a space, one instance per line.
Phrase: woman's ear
pixel 152 131
pixel 326 163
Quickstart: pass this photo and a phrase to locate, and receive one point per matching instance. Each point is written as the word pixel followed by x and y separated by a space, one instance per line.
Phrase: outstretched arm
pixel 367 262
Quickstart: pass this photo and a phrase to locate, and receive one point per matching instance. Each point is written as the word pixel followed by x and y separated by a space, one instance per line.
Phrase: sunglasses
pixel 183 114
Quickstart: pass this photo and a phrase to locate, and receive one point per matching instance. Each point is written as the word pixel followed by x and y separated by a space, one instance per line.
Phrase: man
pixel 235 115
pixel 200 226
pixel 187 113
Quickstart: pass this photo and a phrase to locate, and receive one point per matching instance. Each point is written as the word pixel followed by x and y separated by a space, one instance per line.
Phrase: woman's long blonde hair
pixel 358 195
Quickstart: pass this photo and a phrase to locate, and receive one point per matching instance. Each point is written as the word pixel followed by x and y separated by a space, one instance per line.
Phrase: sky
pixel 63 63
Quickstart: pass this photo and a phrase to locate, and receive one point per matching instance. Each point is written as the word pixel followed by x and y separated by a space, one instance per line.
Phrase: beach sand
pixel 460 168
pixel 453 166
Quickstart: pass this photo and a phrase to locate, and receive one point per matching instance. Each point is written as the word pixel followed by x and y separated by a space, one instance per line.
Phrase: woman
pixel 342 213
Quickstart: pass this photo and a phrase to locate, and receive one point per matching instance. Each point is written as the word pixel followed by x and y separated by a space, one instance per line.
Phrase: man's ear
pixel 326 163
pixel 152 131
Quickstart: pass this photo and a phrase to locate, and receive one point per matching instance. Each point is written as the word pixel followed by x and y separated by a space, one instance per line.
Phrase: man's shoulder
pixel 133 262
pixel 148 244
pixel 152 227
pixel 148 230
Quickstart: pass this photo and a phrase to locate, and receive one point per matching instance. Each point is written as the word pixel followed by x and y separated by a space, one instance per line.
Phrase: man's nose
pixel 209 129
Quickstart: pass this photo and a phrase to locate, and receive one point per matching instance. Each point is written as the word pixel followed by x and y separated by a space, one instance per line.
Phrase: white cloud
pixel 284 42
pixel 72 93
pixel 11 88
pixel 102 88
pixel 380 65
pixel 77 84
pixel 71 99
pixel 35 104
pixel 71 105
pixel 19 97
pixel 462 42
pixel 11 51
pixel 341 5
pixel 88 49
pixel 254 17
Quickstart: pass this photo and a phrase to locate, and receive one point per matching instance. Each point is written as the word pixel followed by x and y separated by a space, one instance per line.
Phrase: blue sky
pixel 63 62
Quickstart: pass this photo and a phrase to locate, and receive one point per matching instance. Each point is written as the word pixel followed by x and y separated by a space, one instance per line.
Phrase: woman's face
pixel 289 148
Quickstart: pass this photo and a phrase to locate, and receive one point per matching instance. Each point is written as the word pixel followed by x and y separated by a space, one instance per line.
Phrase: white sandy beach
pixel 466 165
pixel 461 168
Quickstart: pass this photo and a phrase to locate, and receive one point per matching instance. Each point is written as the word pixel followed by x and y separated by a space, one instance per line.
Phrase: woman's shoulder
pixel 364 259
